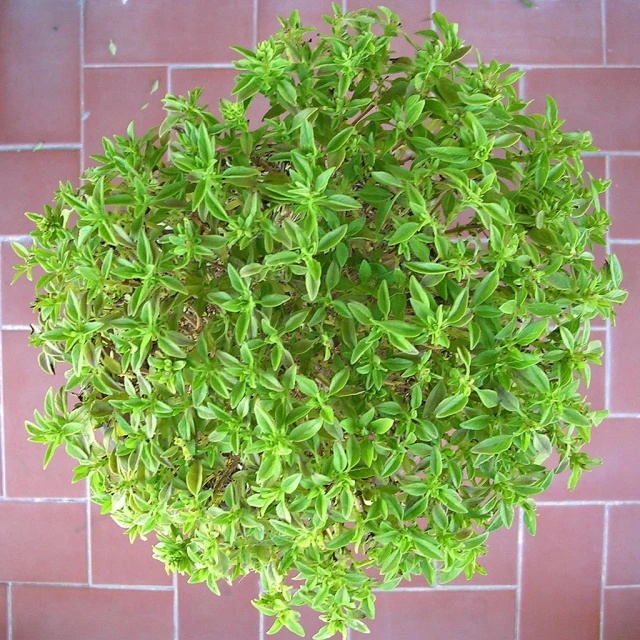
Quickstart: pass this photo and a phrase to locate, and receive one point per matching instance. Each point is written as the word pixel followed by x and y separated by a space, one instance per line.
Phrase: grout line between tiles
pixel 84 585
pixel 255 23
pixel 47 146
pixel 196 65
pixel 631 241
pixel 588 503
pixel 16 327
pixel 532 66
pixel 9 613
pixel 603 22
pixel 12 500
pixel 176 611
pixel 603 572
pixel 139 65
pixel 621 586
pixel 261 617
pixel 516 630
pixel 88 517
pixel 448 587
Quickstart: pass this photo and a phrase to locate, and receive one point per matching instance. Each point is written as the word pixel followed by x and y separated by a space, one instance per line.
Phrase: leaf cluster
pixel 341 345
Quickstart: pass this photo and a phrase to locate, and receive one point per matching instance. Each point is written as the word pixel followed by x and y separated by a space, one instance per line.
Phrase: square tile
pixel 24 389
pixel 551 33
pixel 621 614
pixel 625 197
pixel 59 613
pixel 115 560
pixel 623 559
pixel 43 542
pixel 107 116
pixel 561 575
pixel 161 32
pixel 39 71
pixel 623 25
pixel 579 94
pixel 28 181
pixel 201 610
pixel 450 615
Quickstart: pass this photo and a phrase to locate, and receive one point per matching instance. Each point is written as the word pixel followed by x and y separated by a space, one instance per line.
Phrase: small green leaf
pixel 195 477
pixel 493 445
pixel 452 405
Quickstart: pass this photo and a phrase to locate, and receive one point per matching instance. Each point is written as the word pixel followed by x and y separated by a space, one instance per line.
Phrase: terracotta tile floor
pixel 66 573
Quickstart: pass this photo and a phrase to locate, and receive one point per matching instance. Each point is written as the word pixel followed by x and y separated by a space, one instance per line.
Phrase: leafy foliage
pixel 341 345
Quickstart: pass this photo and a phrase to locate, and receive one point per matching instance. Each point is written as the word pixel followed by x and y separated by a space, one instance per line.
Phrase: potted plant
pixel 339 344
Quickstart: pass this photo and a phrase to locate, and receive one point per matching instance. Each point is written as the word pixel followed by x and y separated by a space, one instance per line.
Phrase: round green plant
pixel 340 345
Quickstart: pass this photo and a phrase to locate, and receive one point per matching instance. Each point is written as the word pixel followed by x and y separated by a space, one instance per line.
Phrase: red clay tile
pixel 625 195
pixel 552 33
pixel 614 442
pixel 217 84
pixel 24 388
pixel 623 24
pixel 39 71
pixel 3 613
pixel 311 15
pixel 115 560
pixel 61 613
pixel 28 180
pixel 591 100
pixel 115 97
pixel 43 542
pixel 17 297
pixel 201 610
pixel 621 614
pixel 561 575
pixel 623 560
pixel 625 384
pixel 159 32
pixel 450 615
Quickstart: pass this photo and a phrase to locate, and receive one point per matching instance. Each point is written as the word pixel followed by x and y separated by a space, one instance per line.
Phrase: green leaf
pixel 340 139
pixel 493 445
pixel 195 477
pixel 306 430
pixel 331 239
pixel 544 309
pixel 341 540
pixel 486 288
pixel 403 233
pixel 451 405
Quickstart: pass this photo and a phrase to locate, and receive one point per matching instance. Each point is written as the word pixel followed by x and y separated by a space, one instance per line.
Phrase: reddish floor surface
pixel 66 573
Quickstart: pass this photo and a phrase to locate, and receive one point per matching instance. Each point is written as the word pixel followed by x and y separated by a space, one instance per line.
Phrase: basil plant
pixel 339 346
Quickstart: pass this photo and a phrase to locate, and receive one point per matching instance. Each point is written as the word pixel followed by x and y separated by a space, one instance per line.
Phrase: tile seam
pixel 9 612
pixel 519 561
pixel 603 570
pixel 84 585
pixel 47 146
